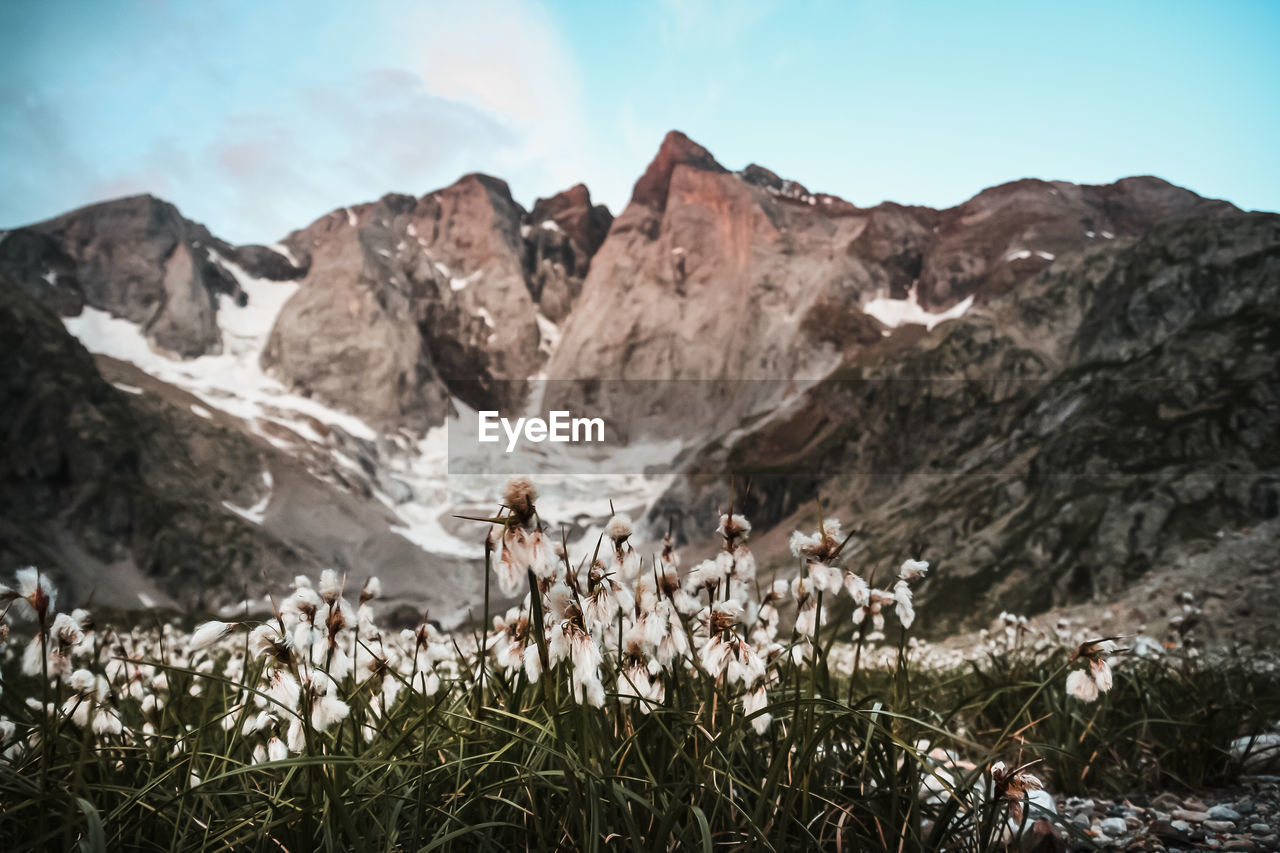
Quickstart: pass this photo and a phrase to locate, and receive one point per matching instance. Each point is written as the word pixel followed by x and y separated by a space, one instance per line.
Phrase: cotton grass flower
pixel 208 633
pixel 268 643
pixel 1081 685
pixel 519 551
pixel 1012 784
pixel 877 600
pixel 35 595
pixel 902 604
pixel 518 497
pixel 619 529
pixel 330 586
pixel 734 529
pixel 821 546
pixel 857 588
pixel 1086 684
pixel 913 570
pixel 757 700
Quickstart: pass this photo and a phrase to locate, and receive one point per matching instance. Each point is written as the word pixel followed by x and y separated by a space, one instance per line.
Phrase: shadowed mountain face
pixel 118 494
pixel 1051 388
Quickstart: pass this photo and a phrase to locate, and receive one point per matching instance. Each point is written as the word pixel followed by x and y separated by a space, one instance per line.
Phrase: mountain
pixel 275 399
pixel 387 321
pixel 1051 388
pixel 139 259
pixel 716 275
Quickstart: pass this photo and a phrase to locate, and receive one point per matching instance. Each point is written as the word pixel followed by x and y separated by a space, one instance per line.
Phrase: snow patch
pixel 484 314
pixel 1023 254
pixel 253 514
pixel 146 600
pixel 897 312
pixel 283 251
pixel 128 389
pixel 245 329
pixel 456 284
pixel 201 411
pixel 50 277
pixel 549 225
pixel 258 511
pixel 233 380
pixel 548 334
pixel 1107 235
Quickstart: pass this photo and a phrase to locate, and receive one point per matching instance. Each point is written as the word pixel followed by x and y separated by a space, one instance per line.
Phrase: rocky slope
pixel 1056 444
pixel 118 495
pixel 1052 388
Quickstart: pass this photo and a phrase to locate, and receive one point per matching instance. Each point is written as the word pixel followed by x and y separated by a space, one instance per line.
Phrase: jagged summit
pixel 676 150
pixel 572 211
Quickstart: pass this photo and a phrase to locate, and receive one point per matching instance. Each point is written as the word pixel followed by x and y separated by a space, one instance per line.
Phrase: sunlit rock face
pixel 712 274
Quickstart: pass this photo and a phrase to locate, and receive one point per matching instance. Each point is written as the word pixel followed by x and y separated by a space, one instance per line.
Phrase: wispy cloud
pixel 408 98
pixel 506 58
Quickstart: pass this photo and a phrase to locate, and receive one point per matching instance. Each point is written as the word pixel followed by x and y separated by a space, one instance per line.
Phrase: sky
pixel 258 118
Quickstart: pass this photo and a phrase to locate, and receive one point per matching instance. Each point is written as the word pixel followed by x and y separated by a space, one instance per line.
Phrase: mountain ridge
pixel 404 310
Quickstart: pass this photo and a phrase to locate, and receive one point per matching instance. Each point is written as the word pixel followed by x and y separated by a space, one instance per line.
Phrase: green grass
pixel 530 769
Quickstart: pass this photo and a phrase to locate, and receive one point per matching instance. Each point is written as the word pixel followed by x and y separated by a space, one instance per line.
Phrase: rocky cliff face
pixel 563 234
pixel 117 494
pixel 139 259
pixel 712 274
pixel 409 300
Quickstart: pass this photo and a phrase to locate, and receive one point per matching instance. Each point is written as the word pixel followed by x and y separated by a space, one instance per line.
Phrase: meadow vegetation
pixel 626 704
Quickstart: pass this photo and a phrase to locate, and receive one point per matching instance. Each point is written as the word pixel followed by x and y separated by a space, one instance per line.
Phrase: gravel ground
pixel 1243 817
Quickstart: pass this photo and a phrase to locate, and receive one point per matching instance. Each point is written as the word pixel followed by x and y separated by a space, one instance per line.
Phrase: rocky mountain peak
pixel 573 213
pixel 676 150
pixel 485 188
pixel 497 186
pixel 137 258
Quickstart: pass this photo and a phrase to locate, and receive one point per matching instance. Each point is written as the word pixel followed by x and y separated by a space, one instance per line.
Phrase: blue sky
pixel 257 118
